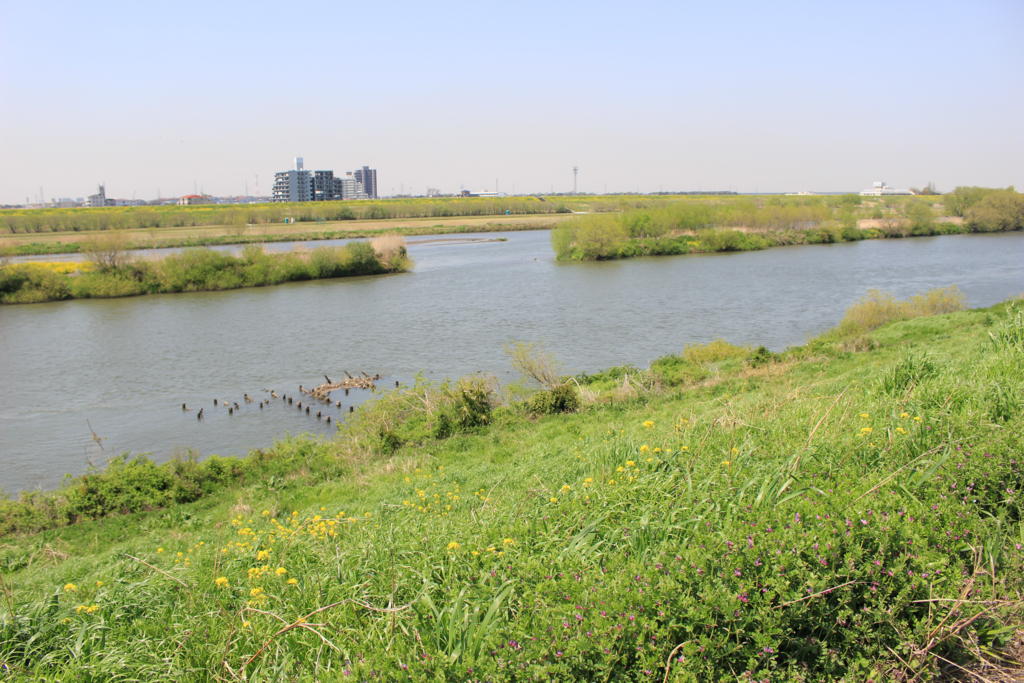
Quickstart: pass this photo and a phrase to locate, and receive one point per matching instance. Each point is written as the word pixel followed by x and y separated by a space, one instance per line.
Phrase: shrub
pixel 874 309
pixel 563 398
pixel 26 284
pixel 675 370
pixel 535 363
pixel 467 405
pixel 936 302
pixel 762 356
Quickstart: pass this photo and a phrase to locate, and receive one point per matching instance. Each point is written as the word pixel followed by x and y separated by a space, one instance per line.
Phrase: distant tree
pixel 928 189
pixel 998 210
pixel 962 198
pixel 107 250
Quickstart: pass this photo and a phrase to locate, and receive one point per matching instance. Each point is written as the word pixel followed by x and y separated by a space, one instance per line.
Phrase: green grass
pixel 819 515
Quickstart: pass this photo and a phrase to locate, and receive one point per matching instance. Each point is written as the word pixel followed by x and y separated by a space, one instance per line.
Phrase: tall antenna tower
pixel 575 176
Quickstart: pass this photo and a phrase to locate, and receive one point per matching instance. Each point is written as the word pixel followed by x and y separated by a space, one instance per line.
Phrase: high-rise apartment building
pixel 300 185
pixel 368 178
pixel 295 185
pixel 352 188
pixel 326 187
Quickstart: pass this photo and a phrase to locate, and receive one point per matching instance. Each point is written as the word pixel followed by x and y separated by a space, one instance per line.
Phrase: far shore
pixel 154 238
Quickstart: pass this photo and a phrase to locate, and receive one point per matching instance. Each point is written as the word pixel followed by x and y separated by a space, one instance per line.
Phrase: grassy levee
pixel 849 509
pixel 116 274
pixel 753 223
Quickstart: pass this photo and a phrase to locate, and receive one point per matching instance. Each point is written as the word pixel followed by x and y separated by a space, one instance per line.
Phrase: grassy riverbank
pixel 747 224
pixel 846 509
pixel 113 273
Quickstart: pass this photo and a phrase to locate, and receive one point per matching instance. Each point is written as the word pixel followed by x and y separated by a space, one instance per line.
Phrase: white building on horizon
pixel 880 189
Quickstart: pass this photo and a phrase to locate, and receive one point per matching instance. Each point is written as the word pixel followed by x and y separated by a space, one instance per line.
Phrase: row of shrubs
pixel 196 270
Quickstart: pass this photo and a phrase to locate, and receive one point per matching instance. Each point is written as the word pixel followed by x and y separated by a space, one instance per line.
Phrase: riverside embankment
pixel 848 510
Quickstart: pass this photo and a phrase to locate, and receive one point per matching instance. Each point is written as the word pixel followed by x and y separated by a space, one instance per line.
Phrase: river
pixel 84 380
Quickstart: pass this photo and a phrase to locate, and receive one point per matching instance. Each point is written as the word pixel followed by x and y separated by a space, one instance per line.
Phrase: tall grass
pixel 877 308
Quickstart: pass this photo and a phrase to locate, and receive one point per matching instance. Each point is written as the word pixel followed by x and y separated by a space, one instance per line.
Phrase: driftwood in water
pixel 322 392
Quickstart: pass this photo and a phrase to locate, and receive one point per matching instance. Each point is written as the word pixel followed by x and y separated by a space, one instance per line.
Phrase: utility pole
pixel 575 176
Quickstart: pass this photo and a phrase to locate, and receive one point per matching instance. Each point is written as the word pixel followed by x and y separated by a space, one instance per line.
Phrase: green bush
pixel 762 356
pixel 563 398
pixel 675 370
pixel 25 284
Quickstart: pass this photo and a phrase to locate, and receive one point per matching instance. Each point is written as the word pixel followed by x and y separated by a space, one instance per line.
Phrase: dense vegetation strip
pixel 25 221
pixel 846 509
pixel 745 224
pixel 113 273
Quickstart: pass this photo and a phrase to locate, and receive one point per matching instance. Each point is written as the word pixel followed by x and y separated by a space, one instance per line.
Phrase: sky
pixel 171 97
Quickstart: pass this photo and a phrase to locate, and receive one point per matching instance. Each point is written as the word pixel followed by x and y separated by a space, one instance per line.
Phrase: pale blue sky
pixel 749 96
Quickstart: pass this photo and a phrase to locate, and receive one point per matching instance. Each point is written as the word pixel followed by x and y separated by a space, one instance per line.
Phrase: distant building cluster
pixel 300 185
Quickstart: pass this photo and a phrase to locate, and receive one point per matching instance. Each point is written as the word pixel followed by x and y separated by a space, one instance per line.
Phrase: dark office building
pixel 367 177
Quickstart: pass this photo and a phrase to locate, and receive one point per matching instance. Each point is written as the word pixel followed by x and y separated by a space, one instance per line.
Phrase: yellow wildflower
pixel 70 587
pixel 246 624
pixel 904 415
pixel 552 499
pixel 735 450
pixel 292 581
pixel 508 541
pixel 99 583
pixel 454 545
pixel 726 462
pixel 630 463
pixel 159 550
pixel 221 582
pixel 645 448
pixel 866 430
pixel 280 571
pixel 648 423
pixel 865 415
pixel 256 592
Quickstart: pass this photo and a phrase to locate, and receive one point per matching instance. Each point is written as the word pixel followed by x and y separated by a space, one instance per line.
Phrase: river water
pixel 119 370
